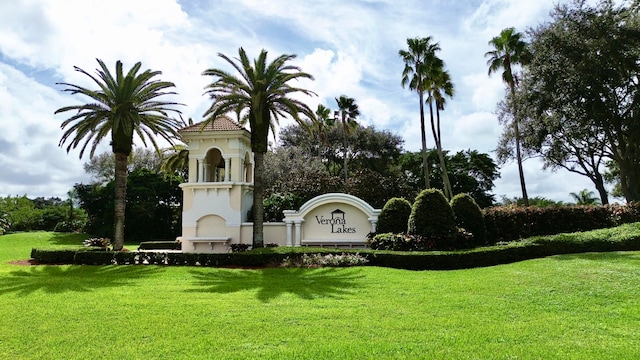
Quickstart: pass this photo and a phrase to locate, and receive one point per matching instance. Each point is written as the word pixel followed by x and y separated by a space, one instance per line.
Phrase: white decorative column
pixel 297 227
pixel 289 228
pixel 200 170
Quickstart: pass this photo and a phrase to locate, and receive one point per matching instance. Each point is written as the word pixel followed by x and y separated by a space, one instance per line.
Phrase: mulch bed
pixel 24 262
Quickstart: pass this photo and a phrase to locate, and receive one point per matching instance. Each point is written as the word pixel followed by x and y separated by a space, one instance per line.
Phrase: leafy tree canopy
pixel 581 89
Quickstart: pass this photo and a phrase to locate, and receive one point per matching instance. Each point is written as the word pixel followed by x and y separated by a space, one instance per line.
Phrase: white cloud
pixel 349 47
pixel 31 161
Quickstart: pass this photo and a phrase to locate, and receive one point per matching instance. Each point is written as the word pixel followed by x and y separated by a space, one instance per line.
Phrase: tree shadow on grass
pixel 68 238
pixel 74 278
pixel 307 284
pixel 78 238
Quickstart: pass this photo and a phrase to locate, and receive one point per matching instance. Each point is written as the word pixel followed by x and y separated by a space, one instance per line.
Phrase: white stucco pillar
pixel 298 228
pixel 200 170
pixel 373 225
pixel 289 237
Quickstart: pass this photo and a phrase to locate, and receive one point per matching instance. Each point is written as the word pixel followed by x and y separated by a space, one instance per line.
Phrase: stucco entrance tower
pixel 219 192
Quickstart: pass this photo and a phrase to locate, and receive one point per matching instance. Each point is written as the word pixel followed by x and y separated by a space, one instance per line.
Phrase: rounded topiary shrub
pixel 394 216
pixel 469 217
pixel 432 218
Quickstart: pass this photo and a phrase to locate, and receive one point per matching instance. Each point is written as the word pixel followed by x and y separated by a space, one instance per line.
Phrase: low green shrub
pixel 160 245
pixel 404 242
pixel 469 217
pixel 97 242
pixel 239 247
pixel 325 260
pixel 400 242
pixel 69 226
pixel 394 216
pixel 54 256
pixel 94 258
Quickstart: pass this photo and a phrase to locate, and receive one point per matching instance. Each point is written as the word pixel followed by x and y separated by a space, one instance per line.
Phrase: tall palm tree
pixel 122 106
pixel 260 93
pixel 319 126
pixel 175 159
pixel 585 197
pixel 441 86
pixel 419 59
pixel 348 111
pixel 510 50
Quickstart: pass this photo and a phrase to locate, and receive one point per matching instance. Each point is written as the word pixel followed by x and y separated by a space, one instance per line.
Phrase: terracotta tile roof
pixel 220 124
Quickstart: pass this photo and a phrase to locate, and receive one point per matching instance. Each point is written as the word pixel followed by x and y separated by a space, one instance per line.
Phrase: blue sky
pixel 350 47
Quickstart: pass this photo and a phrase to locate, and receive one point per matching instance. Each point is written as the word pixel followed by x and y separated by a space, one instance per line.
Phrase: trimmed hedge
pixel 160 245
pixel 512 223
pixel 394 216
pixel 469 217
pixel 432 218
pixel 622 238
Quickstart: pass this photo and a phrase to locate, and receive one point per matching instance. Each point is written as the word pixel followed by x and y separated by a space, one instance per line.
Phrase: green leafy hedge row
pixel 512 223
pixel 160 245
pixel 621 238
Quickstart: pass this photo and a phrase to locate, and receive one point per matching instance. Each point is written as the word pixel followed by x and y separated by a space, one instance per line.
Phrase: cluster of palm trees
pixel 259 93
pixel 425 73
pixel 344 118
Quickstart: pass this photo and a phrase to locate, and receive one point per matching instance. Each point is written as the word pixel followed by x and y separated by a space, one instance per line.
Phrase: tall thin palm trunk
pixel 120 200
pixel 516 129
pixel 258 198
pixel 423 133
pixel 344 147
pixel 448 192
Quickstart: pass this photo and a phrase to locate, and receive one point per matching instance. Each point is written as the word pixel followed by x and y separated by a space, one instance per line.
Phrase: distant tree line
pixel 153 198
pixel 20 213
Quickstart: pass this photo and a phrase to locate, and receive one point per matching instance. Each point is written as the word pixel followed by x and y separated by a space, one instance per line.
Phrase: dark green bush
pixel 469 217
pixel 93 258
pixel 509 223
pixel 401 242
pixel 432 218
pixel 276 203
pixel 239 247
pixel 160 245
pixel 53 256
pixel 70 226
pixel 394 216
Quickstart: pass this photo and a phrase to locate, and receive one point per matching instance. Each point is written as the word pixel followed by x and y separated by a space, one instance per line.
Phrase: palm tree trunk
pixel 423 132
pixel 344 146
pixel 120 183
pixel 258 198
pixel 446 184
pixel 516 129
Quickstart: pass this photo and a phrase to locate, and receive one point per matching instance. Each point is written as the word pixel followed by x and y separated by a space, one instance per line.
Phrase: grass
pixel 581 306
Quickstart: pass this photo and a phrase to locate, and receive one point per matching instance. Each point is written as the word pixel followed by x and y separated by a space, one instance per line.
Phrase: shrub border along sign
pixel 622 238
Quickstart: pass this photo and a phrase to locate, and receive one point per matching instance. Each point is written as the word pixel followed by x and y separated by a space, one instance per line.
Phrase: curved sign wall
pixel 331 219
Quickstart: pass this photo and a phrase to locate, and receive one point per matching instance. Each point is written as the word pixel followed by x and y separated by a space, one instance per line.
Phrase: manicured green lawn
pixel 584 306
